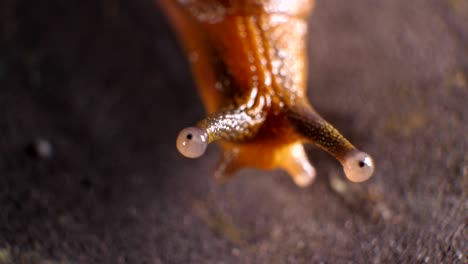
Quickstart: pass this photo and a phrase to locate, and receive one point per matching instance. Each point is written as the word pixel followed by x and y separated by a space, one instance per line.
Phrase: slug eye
pixel 358 166
pixel 192 142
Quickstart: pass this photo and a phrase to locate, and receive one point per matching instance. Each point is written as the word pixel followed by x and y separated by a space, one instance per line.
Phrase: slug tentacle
pixel 227 165
pixel 358 166
pixel 298 166
pixel 233 125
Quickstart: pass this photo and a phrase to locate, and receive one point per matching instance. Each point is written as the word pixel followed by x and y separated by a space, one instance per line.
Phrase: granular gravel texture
pixel 94 92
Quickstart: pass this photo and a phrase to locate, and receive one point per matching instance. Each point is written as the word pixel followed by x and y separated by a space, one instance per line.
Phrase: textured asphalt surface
pixel 93 93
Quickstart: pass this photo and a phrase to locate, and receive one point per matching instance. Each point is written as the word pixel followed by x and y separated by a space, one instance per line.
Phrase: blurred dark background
pixel 94 92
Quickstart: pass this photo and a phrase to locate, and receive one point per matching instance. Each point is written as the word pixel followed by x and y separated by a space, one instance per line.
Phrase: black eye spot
pixel 362 164
pixel 189 136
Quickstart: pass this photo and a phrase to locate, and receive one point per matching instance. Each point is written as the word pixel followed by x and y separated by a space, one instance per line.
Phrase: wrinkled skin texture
pixel 249 61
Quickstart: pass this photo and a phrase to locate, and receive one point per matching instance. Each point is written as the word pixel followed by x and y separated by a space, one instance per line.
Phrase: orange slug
pixel 248 58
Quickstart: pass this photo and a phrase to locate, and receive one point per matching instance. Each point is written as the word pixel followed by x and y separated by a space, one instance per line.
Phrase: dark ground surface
pixel 105 83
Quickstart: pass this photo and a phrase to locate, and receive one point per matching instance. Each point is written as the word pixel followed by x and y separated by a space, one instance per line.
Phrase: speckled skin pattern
pixel 248 59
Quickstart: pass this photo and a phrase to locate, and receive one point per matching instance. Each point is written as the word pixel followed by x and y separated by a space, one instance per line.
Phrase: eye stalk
pixel 192 142
pixel 358 166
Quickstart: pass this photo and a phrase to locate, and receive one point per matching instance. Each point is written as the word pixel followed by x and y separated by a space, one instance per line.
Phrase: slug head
pixel 261 111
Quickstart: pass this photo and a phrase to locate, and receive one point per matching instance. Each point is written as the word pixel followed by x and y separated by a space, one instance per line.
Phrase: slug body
pixel 248 60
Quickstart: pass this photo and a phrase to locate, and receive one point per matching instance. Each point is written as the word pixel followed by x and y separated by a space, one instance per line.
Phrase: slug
pixel 248 59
